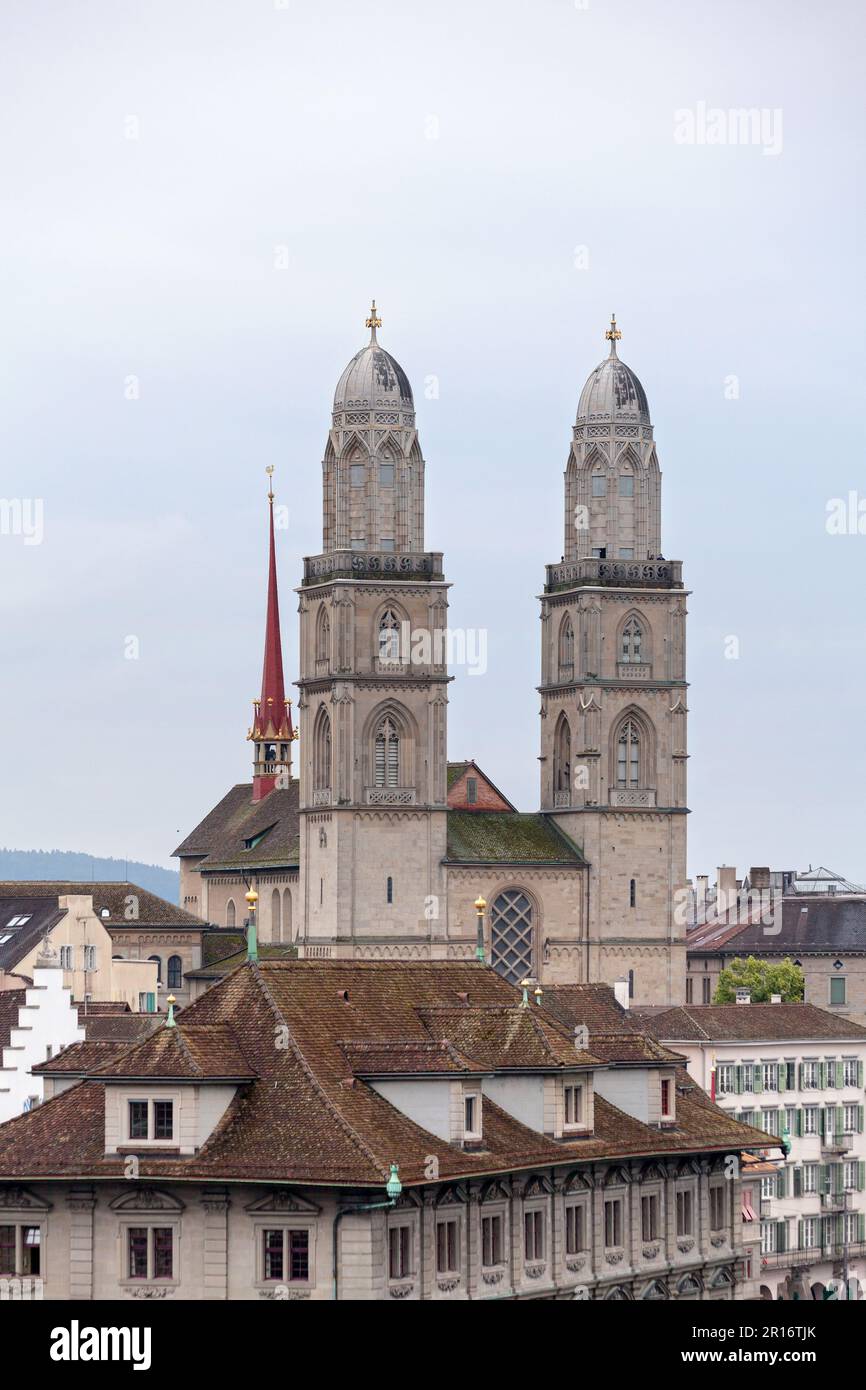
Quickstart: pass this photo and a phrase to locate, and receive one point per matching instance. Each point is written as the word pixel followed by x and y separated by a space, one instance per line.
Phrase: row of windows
pixel 626 485
pixel 813 1232
pixel 174 971
pixel 809 1179
pixel 359 471
pixel 535 1232
pixel 88 958
pixel 632 770
pixel 805 1120
pixel 281 915
pixel 734 1079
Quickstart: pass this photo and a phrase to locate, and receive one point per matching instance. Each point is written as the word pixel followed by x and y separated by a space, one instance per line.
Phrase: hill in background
pixel 66 866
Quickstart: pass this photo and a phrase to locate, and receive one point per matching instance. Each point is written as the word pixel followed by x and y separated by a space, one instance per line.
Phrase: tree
pixel 763 978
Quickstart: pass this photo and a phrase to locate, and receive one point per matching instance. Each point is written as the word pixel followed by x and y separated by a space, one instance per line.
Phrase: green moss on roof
pixel 455 772
pixel 505 837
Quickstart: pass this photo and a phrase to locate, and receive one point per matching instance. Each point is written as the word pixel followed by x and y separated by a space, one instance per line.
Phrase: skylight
pixel 19 920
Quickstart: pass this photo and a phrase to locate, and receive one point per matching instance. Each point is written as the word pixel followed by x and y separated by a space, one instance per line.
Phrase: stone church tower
pixel 613 690
pixel 373 681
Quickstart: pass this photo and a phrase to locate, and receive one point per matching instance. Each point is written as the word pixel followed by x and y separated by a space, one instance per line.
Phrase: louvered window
pixel 387 756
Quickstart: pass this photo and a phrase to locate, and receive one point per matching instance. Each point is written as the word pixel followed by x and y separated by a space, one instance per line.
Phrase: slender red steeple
pixel 272 730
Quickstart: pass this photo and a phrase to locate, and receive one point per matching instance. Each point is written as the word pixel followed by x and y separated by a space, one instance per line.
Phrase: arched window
pixel 276 918
pixel 386 759
pixel 322 752
pixel 158 960
pixel 512 935
pixel 562 757
pixel 389 636
pixel 323 635
pixel 287 915
pixel 230 913
pixel 632 639
pixel 175 972
pixel 628 755
pixel 566 647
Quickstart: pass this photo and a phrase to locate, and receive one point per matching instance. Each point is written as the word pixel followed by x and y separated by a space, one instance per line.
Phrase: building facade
pixel 374 1130
pixel 797 1073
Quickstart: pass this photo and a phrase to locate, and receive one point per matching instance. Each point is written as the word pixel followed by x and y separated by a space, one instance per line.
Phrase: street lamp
pixel 480 908
pixel 252 900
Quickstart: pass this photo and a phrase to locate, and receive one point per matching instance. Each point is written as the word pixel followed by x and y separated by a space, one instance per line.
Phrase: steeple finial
pixel 373 322
pixel 612 335
pixel 270 472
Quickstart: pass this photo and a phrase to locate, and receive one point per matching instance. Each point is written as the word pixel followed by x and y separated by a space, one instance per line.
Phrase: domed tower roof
pixel 612 391
pixel 373 379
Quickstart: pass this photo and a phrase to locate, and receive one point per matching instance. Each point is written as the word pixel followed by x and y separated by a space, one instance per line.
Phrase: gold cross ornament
pixel 373 321
pixel 613 332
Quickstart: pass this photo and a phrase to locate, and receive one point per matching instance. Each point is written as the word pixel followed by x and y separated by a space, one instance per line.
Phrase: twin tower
pixel 390 860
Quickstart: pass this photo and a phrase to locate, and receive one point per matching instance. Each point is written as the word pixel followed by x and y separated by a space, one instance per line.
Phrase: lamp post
pixel 480 909
pixel 393 1187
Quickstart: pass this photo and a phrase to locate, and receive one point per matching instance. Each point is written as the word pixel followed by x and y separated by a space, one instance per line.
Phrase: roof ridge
pixel 317 1085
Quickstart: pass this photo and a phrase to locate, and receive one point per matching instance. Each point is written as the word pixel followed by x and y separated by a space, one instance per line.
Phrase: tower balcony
pixel 624 574
pixel 642 797
pixel 411 565
pixel 390 796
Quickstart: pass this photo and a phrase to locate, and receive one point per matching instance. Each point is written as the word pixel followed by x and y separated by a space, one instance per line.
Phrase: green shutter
pixel 861 1175
pixel 798 1182
pixel 861 1223
pixel 738 1080
pixel 151 1003
pixel 799 1123
pixel 840 1076
pixel 860 1074
pixel 758 1078
pixel 782 1232
pixel 799 1076
pixel 822 1076
pixel 800 1233
pixel 782 1182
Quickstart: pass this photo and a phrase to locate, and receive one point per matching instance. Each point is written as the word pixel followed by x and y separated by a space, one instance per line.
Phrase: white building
pixel 796 1072
pixel 35 1024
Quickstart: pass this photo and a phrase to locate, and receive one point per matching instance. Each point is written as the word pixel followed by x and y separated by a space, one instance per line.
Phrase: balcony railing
pixel 632 796
pixel 642 574
pixel 390 796
pixel 372 564
pixel 835 1143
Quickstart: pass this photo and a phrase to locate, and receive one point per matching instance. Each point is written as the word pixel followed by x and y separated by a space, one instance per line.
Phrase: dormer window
pixel 667 1100
pixel 575 1107
pixel 471 1116
pixel 150 1121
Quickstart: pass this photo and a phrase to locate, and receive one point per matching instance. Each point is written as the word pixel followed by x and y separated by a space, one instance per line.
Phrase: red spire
pixel 272 715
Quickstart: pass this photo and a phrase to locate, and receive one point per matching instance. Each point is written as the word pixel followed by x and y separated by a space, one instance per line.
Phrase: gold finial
pixel 612 335
pixel 270 472
pixel 373 322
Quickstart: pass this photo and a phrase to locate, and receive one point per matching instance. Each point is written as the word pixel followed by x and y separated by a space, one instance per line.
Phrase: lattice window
pixel 628 755
pixel 512 935
pixel 632 637
pixel 386 768
pixel 389 636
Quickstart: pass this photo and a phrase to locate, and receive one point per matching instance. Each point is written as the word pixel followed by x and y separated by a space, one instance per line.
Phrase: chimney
pixel 759 878
pixel 620 989
pixel 744 996
pixel 726 893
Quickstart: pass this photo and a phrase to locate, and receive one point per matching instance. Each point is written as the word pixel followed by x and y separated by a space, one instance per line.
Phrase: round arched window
pixel 512 935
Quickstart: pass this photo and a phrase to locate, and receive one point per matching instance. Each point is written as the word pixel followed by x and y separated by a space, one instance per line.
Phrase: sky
pixel 197 203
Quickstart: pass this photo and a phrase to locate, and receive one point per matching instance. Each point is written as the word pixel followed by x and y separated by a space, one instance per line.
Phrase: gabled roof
pixel 111 897
pixel 241 834
pixel 490 797
pixel 303 1120
pixel 749 1023
pixel 500 837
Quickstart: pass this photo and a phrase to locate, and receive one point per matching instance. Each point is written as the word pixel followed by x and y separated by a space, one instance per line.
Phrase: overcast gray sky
pixel 500 176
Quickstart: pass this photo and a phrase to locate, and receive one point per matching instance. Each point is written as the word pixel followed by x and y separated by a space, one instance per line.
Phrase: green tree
pixel 763 978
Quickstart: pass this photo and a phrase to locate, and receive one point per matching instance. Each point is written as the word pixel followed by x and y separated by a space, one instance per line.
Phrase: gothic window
pixel 386 764
pixel 322 752
pixel 562 757
pixel 323 635
pixel 389 636
pixel 628 755
pixel 230 913
pixel 512 935
pixel 358 474
pixel 175 972
pixel 566 646
pixel 631 641
pixel 626 485
pixel 386 473
pixel 276 920
pixel 599 485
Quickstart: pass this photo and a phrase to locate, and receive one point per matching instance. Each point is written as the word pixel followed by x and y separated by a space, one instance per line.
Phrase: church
pixel 379 847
